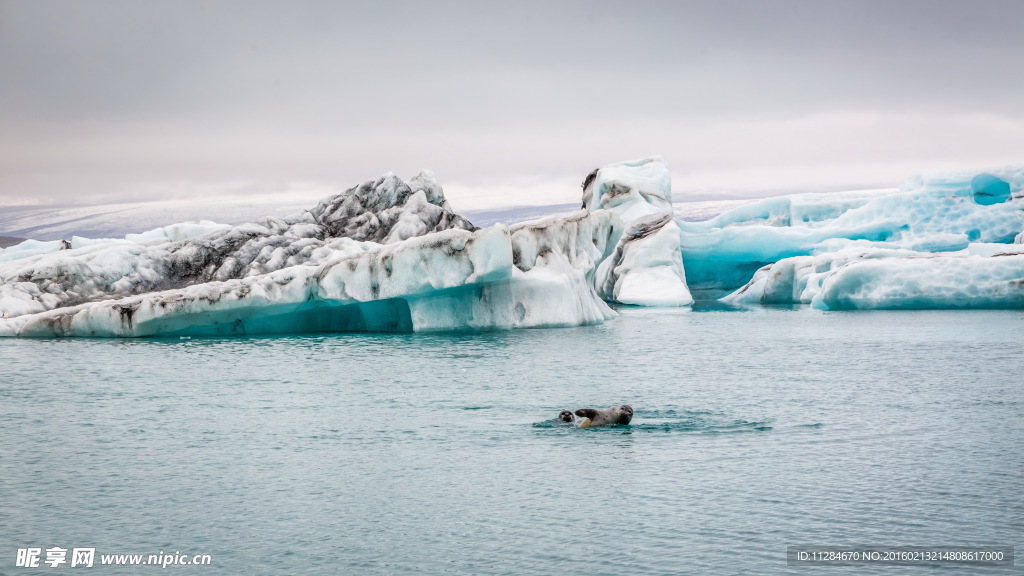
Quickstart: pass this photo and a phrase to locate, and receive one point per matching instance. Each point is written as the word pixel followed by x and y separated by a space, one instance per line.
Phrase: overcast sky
pixel 509 103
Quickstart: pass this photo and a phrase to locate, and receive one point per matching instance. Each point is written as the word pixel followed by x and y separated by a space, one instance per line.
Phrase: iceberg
pixel 939 212
pixel 980 276
pixel 946 240
pixel 647 268
pixel 391 255
pixel 386 255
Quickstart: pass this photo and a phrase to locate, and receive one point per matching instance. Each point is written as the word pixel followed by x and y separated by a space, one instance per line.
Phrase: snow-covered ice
pixel 647 269
pixel 946 240
pixel 867 277
pixel 931 213
pixel 392 255
pixel 384 256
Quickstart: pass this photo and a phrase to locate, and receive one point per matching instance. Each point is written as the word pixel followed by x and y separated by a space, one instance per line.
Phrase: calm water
pixel 431 454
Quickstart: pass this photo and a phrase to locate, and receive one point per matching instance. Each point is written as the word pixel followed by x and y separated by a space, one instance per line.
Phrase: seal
pixel 590 417
pixel 566 416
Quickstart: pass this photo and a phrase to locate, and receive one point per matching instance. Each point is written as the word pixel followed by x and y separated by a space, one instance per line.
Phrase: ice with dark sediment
pixel 391 255
pixel 384 256
pixel 647 266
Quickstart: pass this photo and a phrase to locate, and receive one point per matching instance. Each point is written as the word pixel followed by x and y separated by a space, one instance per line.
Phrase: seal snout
pixel 627 414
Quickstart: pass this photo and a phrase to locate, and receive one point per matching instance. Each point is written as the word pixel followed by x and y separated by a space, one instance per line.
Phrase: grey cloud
pixel 369 61
pixel 122 91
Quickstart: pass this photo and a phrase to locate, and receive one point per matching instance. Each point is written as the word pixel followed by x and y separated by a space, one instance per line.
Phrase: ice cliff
pixel 391 255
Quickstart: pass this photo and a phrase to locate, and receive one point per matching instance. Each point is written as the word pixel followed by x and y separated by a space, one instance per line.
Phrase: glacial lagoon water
pixel 437 453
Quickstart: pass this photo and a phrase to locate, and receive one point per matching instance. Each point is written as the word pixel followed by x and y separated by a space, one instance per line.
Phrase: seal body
pixel 615 415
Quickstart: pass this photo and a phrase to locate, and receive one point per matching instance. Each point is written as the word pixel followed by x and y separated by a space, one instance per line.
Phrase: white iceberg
pixel 384 256
pixel 865 277
pixel 931 213
pixel 647 268
pixel 390 255
pixel 925 283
